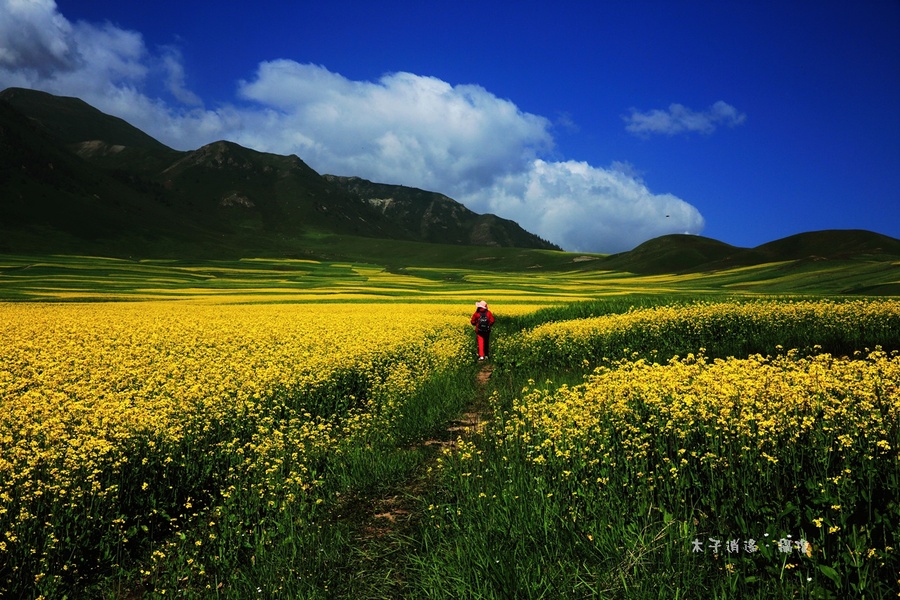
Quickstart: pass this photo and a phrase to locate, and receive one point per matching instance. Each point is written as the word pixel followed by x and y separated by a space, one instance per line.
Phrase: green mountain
pixel 440 219
pixel 52 199
pixel 71 120
pixel 671 254
pixel 73 179
pixel 681 254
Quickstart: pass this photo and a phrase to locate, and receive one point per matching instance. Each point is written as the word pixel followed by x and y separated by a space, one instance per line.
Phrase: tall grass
pixel 317 546
pixel 660 476
pixel 157 448
pixel 625 435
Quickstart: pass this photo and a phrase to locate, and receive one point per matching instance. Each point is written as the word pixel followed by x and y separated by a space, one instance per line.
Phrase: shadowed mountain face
pixel 438 218
pixel 75 179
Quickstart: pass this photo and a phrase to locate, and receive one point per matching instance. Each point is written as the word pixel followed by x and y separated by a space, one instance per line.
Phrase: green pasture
pixel 334 544
pixel 492 274
pixel 504 525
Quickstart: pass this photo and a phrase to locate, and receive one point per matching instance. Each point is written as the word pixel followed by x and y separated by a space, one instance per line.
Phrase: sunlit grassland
pixel 64 278
pixel 292 280
pixel 713 449
pixel 202 429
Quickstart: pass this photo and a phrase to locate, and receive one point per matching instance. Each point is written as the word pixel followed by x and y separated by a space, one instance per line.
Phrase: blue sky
pixel 597 125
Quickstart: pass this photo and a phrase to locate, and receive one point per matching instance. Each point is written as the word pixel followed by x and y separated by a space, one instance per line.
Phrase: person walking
pixel 483 320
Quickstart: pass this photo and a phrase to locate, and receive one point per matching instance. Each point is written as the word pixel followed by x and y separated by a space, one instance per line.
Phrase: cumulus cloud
pixel 39 46
pixel 681 119
pixel 34 36
pixel 585 208
pixel 404 128
pixel 175 78
pixel 102 64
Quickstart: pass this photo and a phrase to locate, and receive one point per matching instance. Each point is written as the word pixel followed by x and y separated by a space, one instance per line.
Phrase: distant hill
pixel 671 254
pixel 830 244
pixel 73 179
pixel 679 254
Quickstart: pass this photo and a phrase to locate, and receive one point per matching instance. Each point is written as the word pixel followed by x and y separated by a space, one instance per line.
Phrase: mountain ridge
pixel 682 253
pixel 75 180
pixel 221 196
pixel 440 217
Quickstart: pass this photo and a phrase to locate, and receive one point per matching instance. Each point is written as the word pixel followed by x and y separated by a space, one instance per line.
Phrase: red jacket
pixel 478 314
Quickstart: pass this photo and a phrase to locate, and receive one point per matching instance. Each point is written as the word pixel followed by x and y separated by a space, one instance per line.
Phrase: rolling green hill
pixel 684 254
pixel 74 179
pixel 831 244
pixel 671 254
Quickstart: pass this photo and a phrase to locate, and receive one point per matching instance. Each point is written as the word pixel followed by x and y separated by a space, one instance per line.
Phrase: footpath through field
pixel 382 526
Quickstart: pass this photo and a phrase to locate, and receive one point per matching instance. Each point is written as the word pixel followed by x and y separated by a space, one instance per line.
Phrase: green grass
pixel 324 545
pixel 333 266
pixel 502 525
pixel 505 528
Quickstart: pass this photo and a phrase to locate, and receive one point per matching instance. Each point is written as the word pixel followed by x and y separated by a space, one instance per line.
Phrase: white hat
pixel 481 304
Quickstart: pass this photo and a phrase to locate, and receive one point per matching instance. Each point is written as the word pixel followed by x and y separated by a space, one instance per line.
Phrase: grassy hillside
pixel 671 254
pixel 695 254
pixel 74 181
pixel 78 180
pixel 352 268
pixel 72 120
pixel 440 219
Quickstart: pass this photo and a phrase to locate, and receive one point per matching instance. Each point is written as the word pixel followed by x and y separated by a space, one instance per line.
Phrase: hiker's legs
pixel 482 345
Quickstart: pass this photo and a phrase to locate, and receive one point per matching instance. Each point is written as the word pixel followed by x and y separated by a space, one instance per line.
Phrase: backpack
pixel 483 324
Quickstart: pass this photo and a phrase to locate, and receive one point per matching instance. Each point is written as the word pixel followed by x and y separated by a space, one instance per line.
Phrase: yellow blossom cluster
pixel 666 438
pixel 853 323
pixel 789 443
pixel 762 405
pixel 111 413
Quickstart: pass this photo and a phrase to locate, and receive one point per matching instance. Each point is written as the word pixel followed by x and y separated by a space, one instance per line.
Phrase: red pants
pixel 484 343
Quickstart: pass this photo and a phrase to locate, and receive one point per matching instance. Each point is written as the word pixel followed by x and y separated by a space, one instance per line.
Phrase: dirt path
pixel 390 512
pixel 382 525
pixel 473 417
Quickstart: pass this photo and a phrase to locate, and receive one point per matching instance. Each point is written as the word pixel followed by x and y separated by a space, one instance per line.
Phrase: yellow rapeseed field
pixel 112 416
pixel 762 406
pixel 186 425
pixel 722 318
pixel 794 442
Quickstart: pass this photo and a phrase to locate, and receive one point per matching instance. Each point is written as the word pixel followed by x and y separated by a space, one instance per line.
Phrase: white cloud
pixel 39 46
pixel 585 208
pixel 175 78
pixel 681 119
pixel 34 36
pixel 462 141
pixel 404 128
